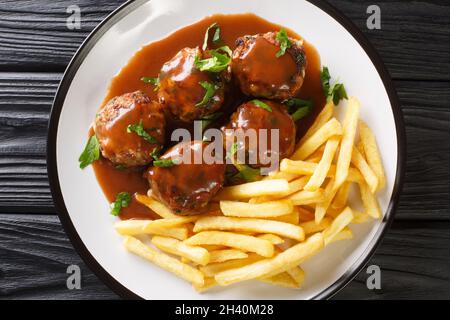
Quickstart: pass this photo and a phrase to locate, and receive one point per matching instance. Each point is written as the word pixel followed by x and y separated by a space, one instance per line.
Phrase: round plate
pixel 84 210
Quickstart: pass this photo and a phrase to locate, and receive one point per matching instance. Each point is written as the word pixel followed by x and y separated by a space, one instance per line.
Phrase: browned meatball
pixel 112 123
pixel 250 116
pixel 260 73
pixel 181 90
pixel 186 188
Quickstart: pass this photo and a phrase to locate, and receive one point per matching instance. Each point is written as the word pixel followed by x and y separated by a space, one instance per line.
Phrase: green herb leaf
pixel 219 61
pixel 139 130
pixel 248 173
pixel 262 105
pixel 91 152
pixel 216 36
pixel 156 153
pixel 298 108
pixel 210 91
pixel 165 163
pixel 152 81
pixel 335 92
pixel 123 200
pixel 208 119
pixel 284 41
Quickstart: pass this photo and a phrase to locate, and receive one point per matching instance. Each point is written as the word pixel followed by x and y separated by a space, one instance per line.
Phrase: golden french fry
pixel 322 207
pixel 323 117
pixel 156 206
pixel 209 283
pixel 348 138
pixel 195 254
pixel 307 197
pixel 256 210
pixel 369 176
pixel 297 274
pixel 321 172
pixel 370 202
pixel 340 201
pixel 372 153
pixel 233 240
pixel 278 175
pixel 129 228
pixel 164 261
pixel 282 262
pixel 292 218
pixel 360 217
pixel 304 215
pixel 272 238
pixel 283 279
pixel 338 224
pixel 360 145
pixel 253 189
pixel 317 155
pixel 214 268
pixel 311 227
pixel 136 227
pixel 330 129
pixel 250 225
pixel 294 186
pixel 225 255
pixel 345 234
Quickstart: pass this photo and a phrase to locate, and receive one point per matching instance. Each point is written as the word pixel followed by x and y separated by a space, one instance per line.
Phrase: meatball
pixel 187 187
pixel 260 73
pixel 182 87
pixel 251 116
pixel 125 147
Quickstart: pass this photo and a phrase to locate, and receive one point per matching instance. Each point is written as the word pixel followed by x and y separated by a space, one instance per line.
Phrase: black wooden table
pixel 35 48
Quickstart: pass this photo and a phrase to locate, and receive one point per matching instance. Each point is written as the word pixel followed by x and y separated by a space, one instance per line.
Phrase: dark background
pixel 35 48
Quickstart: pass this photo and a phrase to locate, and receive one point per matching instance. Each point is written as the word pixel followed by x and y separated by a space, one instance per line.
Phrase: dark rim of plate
pixel 60 97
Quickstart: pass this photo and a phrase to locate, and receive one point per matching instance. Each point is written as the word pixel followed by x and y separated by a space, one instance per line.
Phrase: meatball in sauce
pixel 181 90
pixel 117 143
pixel 186 187
pixel 260 72
pixel 250 116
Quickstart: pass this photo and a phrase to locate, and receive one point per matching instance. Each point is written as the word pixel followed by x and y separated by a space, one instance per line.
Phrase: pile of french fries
pixel 265 230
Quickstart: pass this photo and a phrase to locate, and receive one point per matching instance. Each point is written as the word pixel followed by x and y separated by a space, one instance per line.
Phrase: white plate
pixel 80 201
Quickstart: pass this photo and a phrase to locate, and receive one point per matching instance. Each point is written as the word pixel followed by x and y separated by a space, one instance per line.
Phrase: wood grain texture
pixel 25 102
pixel 35 254
pixel 414 40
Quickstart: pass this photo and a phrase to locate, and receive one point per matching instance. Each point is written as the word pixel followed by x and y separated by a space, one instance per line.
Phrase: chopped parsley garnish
pixel 208 119
pixel 139 130
pixel 165 163
pixel 298 108
pixel 284 41
pixel 123 200
pixel 156 153
pixel 335 92
pixel 262 105
pixel 91 152
pixel 216 36
pixel 152 81
pixel 219 61
pixel 210 91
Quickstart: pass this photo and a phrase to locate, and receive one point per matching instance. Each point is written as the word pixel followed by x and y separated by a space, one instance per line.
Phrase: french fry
pixel 321 172
pixel 360 217
pixel 372 153
pixel 297 274
pixel 209 283
pixel 278 175
pixel 294 186
pixel 195 254
pixel 369 176
pixel 233 240
pixel 324 116
pixel 225 255
pixel 137 227
pixel 283 279
pixel 322 207
pixel 272 238
pixel 338 224
pixel 304 215
pixel 307 197
pixel 329 129
pixel 345 234
pixel 156 206
pixel 317 155
pixel 256 210
pixel 341 198
pixel 214 268
pixel 311 227
pixel 348 138
pixel 250 225
pixel 253 189
pixel 291 218
pixel 128 229
pixel 164 261
pixel 282 262
pixel 369 201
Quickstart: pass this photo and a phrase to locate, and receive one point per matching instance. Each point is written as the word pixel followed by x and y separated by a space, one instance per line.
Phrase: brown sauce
pixel 148 61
